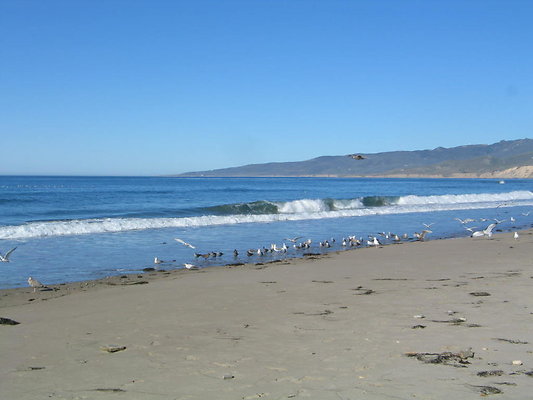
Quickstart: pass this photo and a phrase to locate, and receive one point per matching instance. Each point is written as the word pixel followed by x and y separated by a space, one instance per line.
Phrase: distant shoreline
pixel 404 176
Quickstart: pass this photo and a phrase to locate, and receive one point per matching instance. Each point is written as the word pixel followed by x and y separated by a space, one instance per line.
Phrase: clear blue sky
pixel 129 87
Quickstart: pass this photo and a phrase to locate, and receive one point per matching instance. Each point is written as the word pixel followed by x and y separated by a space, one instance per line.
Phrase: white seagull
pixel 184 243
pixel 485 232
pixel 465 221
pixel 516 236
pixel 422 235
pixel 34 283
pixel 190 266
pixel 428 225
pixel 293 239
pixel 5 257
pixel 374 242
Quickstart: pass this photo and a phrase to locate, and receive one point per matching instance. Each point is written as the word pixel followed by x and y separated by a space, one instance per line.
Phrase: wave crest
pixel 264 212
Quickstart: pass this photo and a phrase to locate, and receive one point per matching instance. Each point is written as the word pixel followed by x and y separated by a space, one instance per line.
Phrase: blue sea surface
pixel 78 228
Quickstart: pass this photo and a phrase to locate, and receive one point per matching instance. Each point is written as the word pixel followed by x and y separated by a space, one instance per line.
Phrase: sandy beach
pixel 429 320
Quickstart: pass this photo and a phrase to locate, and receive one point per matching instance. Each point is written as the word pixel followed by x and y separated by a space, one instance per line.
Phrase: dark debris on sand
pixel 487 390
pixel 459 359
pixel 8 321
pixel 484 374
pixel 480 294
pixel 511 341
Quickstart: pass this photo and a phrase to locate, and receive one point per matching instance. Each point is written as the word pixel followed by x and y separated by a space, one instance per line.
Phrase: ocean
pixel 77 228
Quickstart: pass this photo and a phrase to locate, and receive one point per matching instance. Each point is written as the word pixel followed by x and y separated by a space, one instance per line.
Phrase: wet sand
pixel 431 320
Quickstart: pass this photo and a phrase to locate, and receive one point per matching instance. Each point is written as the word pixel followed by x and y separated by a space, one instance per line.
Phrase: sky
pixel 155 87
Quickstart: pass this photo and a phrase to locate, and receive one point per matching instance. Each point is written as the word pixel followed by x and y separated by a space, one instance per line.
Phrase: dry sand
pixel 341 326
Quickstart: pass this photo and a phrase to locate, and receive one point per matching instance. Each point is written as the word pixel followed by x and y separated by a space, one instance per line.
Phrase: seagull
pixel 421 236
pixel 5 258
pixel 526 213
pixel 499 221
pixel 374 242
pixel 190 266
pixel 34 283
pixel 206 255
pixel 428 225
pixel 293 239
pixel 516 236
pixel 356 156
pixel 158 261
pixel 465 221
pixel 485 232
pixel 184 243
pixel 512 219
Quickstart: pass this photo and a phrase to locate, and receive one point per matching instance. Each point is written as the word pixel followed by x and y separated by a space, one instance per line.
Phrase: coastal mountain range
pixel 505 159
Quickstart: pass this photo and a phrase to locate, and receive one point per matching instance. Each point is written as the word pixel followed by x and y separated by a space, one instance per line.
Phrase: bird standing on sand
pixel 34 283
pixel 190 266
pixel 516 236
pixel 5 257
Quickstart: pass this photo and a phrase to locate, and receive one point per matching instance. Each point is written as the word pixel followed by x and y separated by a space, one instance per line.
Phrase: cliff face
pixel 523 172
pixel 505 159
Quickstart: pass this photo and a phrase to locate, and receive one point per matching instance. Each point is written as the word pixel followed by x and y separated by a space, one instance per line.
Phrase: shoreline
pixel 335 176
pixel 369 323
pixel 23 294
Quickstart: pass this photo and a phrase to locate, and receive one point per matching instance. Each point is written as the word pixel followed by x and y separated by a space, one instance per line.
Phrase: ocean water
pixel 77 228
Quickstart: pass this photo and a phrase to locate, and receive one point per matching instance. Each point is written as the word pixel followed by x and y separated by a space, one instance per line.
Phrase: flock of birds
pixel 376 240
pixel 351 241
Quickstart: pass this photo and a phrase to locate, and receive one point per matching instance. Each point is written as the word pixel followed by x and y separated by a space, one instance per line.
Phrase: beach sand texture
pixel 352 325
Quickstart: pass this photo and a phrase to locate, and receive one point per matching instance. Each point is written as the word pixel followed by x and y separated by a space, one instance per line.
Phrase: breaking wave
pixel 266 211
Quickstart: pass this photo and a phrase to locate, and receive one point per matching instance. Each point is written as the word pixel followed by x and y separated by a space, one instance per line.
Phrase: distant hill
pixel 498 160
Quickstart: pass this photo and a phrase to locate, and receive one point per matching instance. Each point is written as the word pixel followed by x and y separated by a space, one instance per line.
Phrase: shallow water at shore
pixel 101 238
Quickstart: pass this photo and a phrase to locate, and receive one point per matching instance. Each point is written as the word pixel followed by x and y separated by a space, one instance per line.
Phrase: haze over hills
pixel 505 159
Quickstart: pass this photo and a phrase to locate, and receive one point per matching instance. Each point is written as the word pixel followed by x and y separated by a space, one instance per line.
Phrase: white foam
pixel 297 210
pixel 466 198
pixel 347 204
pixel 302 206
